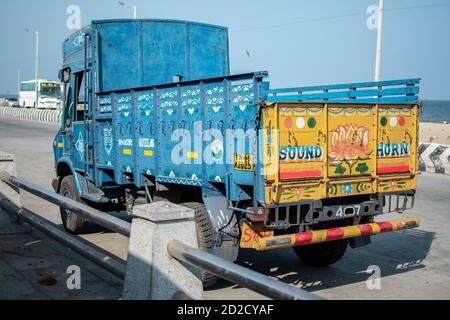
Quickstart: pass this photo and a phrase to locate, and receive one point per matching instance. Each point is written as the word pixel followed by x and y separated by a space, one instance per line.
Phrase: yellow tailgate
pixel 316 150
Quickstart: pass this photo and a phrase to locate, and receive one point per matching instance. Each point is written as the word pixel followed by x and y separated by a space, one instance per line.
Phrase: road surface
pixel 414 264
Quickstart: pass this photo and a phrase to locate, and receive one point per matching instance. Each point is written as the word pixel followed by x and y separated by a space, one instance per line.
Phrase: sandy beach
pixel 435 133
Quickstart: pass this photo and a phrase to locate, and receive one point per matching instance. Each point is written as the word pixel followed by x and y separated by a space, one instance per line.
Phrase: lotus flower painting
pixel 349 143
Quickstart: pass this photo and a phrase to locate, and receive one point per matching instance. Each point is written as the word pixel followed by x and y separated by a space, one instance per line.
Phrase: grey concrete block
pixel 151 273
pixel 8 223
pixel 163 211
pixel 7 163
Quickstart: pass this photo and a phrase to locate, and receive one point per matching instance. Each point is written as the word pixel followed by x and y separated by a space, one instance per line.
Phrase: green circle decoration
pixel 384 121
pixel 312 123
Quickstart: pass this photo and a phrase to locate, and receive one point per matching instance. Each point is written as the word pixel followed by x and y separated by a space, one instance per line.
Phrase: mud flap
pixel 226 238
pixel 359 242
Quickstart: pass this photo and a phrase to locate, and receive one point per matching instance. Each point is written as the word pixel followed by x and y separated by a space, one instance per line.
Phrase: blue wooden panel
pixel 243 116
pixel 145 132
pixel 168 109
pixel 208 56
pixel 348 86
pixel 164 51
pixel 398 91
pixel 347 94
pixel 80 146
pixel 123 136
pixel 215 123
pixel 138 53
pixel 73 50
pixel 120 60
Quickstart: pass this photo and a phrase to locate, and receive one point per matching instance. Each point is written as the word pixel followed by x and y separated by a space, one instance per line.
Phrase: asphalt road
pixel 414 264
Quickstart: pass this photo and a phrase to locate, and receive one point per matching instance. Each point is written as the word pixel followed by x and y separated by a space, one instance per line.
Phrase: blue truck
pixel 152 113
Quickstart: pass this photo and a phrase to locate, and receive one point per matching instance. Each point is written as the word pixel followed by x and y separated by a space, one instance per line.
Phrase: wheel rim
pixel 68 194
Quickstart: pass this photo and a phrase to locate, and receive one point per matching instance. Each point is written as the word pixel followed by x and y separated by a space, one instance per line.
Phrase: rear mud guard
pixel 226 241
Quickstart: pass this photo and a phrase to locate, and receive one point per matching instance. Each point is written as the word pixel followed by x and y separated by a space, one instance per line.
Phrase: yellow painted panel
pixel 351 188
pixel 397 147
pixel 351 168
pixel 306 117
pixel 192 155
pixel 315 150
pixel 148 153
pixel 394 184
pixel 295 193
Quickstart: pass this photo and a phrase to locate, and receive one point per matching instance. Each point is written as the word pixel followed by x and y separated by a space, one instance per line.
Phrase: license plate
pixel 243 162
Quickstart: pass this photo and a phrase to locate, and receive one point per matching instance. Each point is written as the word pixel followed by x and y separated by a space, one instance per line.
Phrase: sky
pixel 299 42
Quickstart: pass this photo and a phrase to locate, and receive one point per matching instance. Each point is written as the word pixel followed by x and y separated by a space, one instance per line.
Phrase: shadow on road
pixel 394 253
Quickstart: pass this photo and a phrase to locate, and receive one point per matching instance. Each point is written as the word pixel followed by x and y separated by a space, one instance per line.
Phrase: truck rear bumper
pixel 252 238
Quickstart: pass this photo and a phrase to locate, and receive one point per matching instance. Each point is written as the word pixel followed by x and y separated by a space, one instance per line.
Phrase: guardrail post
pixel 151 273
pixel 9 225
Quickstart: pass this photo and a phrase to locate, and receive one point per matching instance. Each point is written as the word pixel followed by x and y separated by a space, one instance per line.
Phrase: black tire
pixel 322 254
pixel 72 222
pixel 205 236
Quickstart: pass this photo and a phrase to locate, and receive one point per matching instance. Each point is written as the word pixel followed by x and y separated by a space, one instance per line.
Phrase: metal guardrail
pixel 237 274
pixel 195 257
pixel 103 219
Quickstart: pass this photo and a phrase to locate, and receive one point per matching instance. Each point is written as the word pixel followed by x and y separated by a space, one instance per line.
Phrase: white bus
pixel 48 94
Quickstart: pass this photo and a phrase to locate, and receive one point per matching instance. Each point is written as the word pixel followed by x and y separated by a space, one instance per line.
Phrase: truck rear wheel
pixel 72 222
pixel 205 236
pixel 322 254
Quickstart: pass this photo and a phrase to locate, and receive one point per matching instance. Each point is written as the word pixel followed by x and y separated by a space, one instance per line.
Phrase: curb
pixel 47 116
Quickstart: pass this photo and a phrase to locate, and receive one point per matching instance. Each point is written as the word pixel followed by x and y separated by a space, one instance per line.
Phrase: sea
pixel 436 111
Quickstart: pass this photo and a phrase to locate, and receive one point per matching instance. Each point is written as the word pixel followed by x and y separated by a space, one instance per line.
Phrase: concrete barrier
pixel 434 158
pixel 41 115
pixel 8 225
pixel 152 274
pixel 7 163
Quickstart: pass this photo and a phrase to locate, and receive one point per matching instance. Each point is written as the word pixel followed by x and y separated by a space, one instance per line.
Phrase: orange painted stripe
pixel 393 169
pixel 300 175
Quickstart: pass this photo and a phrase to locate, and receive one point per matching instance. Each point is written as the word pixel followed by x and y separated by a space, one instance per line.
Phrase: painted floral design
pixel 349 143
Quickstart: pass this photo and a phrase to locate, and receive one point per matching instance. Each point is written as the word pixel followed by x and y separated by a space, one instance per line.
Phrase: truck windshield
pixel 51 90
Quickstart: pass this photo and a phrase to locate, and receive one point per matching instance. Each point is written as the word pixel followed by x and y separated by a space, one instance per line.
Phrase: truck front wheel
pixel 72 222
pixel 205 236
pixel 322 254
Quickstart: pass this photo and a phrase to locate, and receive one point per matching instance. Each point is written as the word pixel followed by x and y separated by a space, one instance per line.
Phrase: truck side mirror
pixel 64 75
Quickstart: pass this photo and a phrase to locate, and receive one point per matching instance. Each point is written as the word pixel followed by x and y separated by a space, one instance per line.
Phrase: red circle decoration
pixel 288 123
pixel 402 121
